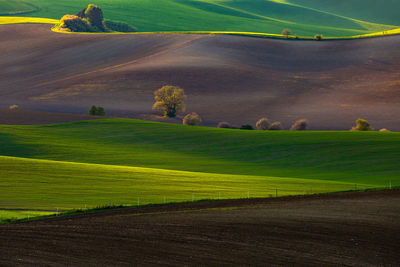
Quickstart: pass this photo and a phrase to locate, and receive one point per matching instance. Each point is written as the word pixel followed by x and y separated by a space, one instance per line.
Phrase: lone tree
pixel 192 119
pixel 263 124
pixel 286 32
pixel 362 125
pixel 170 99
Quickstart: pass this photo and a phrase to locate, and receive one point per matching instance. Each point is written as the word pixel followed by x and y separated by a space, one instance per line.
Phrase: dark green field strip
pixel 356 157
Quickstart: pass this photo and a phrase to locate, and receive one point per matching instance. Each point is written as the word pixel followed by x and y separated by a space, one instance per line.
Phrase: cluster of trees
pixel 91 19
pixel 97 111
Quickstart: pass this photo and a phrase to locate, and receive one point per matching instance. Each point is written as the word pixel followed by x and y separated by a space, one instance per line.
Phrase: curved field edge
pixel 52 185
pixel 22 20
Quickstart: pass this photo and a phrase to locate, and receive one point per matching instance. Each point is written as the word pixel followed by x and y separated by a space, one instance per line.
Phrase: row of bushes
pixel 265 124
pixel 262 124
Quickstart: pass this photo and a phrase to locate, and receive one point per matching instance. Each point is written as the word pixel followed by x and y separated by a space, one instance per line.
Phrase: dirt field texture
pixel 227 78
pixel 351 229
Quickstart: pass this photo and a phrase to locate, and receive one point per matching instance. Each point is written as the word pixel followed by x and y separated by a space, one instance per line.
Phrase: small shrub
pixel 318 37
pixel 192 119
pixel 97 111
pixel 93 110
pixel 14 107
pixel 263 124
pixel 276 126
pixel 246 127
pixel 117 26
pixel 300 125
pixel 101 111
pixel 224 124
pixel 286 32
pixel 384 130
pixel 362 125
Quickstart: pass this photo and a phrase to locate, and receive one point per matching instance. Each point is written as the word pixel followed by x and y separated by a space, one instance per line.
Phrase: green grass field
pixel 304 18
pixel 13 7
pixel 93 163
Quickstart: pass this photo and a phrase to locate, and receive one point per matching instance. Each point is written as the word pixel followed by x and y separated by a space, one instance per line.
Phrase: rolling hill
pixel 305 18
pixel 227 78
pixel 118 160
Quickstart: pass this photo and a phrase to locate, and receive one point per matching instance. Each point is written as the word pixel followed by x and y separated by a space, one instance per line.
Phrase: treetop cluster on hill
pixel 91 19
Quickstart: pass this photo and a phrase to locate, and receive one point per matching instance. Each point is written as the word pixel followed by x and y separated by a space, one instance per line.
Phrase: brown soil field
pixel 344 229
pixel 32 117
pixel 227 78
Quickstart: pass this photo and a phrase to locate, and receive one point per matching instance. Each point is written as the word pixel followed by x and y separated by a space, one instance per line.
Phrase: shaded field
pixel 227 78
pixel 354 229
pixel 354 157
pixel 266 16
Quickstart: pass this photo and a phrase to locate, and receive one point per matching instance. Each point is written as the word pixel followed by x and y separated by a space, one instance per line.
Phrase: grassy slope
pixel 118 160
pixel 369 157
pixel 215 15
pixel 44 184
pixel 10 7
pixel 382 11
pixel 21 214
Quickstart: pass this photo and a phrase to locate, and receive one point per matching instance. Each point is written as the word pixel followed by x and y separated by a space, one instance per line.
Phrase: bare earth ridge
pixel 345 229
pixel 227 78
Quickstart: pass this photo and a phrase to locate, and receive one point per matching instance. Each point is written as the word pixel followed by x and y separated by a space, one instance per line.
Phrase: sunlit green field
pixel 122 161
pixel 6 215
pixel 304 18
